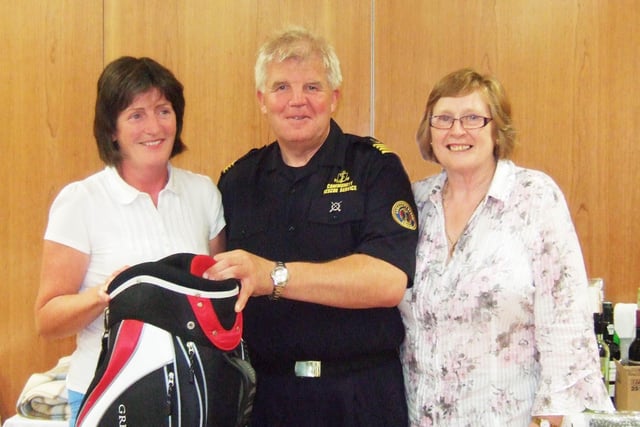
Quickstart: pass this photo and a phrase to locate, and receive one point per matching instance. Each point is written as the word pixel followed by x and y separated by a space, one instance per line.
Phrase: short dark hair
pixel 120 82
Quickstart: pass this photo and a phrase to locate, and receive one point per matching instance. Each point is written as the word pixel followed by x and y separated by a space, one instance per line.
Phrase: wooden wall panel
pixel 48 51
pixel 52 57
pixel 211 46
pixel 570 68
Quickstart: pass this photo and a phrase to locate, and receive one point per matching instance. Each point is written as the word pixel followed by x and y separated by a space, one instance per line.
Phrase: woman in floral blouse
pixel 499 332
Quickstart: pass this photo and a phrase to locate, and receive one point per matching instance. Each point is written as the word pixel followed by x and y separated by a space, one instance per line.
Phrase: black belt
pixel 325 368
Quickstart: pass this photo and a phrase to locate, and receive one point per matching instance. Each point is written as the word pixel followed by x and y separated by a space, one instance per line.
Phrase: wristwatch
pixel 280 277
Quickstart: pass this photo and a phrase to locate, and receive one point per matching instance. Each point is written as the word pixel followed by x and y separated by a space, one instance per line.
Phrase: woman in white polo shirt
pixel 137 209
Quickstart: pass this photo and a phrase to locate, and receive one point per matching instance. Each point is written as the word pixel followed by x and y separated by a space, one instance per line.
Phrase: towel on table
pixel 45 394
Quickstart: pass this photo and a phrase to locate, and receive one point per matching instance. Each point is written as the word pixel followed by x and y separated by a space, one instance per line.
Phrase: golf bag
pixel 172 353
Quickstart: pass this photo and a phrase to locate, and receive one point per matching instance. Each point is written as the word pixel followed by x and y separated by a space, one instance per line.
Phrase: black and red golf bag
pixel 172 353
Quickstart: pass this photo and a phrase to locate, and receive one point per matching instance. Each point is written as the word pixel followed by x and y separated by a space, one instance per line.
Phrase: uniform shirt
pixel 503 329
pixel 117 225
pixel 352 197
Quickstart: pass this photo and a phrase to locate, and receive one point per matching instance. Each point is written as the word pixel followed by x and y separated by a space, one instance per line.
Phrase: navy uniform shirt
pixel 353 196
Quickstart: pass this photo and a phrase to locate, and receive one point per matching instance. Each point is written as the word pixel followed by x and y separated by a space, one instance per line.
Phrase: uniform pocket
pixel 247 226
pixel 337 208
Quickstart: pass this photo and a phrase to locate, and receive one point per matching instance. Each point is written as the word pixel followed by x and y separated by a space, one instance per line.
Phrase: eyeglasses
pixel 472 121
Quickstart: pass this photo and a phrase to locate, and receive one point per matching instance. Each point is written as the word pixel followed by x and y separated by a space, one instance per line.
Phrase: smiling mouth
pixel 459 147
pixel 152 143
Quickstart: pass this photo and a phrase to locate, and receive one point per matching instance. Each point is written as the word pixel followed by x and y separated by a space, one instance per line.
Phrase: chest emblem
pixel 402 213
pixel 341 183
pixel 336 207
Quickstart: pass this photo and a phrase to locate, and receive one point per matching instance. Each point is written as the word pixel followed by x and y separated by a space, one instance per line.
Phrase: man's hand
pixel 253 272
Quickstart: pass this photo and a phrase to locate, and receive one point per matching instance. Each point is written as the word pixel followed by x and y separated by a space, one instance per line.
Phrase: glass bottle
pixel 603 348
pixel 609 338
pixel 634 348
pixel 610 331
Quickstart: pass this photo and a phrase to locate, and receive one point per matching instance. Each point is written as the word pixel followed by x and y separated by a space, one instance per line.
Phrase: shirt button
pixel 291 228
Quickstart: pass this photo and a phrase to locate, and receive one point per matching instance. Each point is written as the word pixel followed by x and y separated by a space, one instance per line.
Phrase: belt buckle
pixel 308 368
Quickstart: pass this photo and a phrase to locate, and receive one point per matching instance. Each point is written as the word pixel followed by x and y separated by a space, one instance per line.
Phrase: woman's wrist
pixel 552 421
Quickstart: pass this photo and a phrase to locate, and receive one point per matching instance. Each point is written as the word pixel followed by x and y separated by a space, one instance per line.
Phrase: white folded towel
pixel 624 319
pixel 45 394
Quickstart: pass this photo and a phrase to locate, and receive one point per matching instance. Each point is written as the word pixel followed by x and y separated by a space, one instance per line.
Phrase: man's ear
pixel 260 97
pixel 334 101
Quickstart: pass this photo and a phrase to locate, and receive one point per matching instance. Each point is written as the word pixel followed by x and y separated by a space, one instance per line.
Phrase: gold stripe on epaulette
pixel 381 147
pixel 225 170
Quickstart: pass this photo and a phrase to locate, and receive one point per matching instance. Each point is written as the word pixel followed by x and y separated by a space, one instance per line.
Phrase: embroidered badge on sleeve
pixel 403 215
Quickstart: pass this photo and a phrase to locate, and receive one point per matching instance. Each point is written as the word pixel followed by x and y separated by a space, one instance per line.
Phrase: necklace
pixel 453 243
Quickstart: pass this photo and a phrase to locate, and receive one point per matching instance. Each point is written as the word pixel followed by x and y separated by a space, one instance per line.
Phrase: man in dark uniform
pixel 322 234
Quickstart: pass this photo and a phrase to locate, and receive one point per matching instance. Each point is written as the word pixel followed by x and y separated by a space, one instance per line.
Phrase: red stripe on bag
pixel 125 345
pixel 205 314
pixel 219 336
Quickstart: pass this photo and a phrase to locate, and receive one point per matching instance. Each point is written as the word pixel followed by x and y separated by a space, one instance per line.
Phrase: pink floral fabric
pixel 500 331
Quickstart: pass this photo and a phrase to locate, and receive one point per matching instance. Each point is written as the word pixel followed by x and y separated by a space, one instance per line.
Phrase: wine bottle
pixel 610 331
pixel 634 348
pixel 609 337
pixel 603 348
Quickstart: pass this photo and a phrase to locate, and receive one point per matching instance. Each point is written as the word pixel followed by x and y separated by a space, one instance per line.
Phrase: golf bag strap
pixel 222 338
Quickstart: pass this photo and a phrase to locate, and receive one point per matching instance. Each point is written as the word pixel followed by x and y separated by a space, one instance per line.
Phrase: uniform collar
pixel 125 193
pixel 333 151
pixel 330 153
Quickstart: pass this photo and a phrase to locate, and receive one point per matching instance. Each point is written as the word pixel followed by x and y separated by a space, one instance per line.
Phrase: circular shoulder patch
pixel 403 215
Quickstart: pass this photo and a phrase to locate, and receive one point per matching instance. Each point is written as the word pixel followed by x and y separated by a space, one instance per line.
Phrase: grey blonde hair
pixel 297 43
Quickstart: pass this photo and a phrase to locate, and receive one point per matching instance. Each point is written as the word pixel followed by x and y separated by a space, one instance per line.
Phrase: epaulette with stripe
pixel 380 146
pixel 232 164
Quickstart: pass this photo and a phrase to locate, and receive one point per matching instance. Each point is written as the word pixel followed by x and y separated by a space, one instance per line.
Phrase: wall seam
pixel 104 34
pixel 372 88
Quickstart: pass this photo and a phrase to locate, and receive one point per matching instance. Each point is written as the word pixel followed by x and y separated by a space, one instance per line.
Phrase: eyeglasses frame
pixel 486 121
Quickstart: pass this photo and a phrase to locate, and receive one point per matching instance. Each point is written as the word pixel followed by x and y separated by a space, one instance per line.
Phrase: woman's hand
pixel 547 421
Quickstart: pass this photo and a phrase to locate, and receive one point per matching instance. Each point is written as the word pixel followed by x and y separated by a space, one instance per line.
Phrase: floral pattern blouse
pixel 501 330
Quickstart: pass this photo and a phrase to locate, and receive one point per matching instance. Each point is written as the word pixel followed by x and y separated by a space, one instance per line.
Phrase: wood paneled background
pixel 570 66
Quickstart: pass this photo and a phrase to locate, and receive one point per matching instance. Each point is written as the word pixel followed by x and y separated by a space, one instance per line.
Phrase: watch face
pixel 280 275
